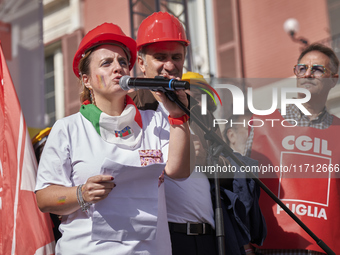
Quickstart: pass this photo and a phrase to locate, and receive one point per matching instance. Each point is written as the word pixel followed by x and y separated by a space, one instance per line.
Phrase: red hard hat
pixel 104 33
pixel 160 27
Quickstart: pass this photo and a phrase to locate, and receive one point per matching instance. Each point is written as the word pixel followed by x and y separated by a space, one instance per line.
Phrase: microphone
pixel 158 83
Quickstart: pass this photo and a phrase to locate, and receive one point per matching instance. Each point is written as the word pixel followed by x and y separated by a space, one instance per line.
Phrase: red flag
pixel 23 228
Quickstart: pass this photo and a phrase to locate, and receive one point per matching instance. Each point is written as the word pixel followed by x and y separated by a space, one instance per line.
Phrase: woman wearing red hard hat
pixel 102 168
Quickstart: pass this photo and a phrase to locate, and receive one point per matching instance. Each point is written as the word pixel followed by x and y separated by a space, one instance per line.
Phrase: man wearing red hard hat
pixel 161 45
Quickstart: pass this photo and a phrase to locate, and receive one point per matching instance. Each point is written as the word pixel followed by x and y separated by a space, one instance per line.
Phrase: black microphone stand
pixel 215 150
pixel 223 147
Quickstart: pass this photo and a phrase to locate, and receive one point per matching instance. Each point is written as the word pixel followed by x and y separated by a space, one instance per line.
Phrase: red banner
pixel 303 165
pixel 23 228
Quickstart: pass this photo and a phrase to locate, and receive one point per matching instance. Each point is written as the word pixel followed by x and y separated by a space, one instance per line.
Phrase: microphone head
pixel 124 82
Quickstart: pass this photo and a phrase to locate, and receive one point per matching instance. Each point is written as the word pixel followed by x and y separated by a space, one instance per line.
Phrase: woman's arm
pixel 63 200
pixel 181 148
pixel 181 152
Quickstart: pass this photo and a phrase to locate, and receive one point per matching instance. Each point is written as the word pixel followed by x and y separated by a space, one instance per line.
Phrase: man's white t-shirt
pixel 188 200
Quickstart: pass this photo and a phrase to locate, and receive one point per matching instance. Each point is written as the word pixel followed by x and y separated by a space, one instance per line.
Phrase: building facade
pixel 229 39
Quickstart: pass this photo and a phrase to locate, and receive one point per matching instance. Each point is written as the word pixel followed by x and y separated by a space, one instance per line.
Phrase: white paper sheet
pixel 130 211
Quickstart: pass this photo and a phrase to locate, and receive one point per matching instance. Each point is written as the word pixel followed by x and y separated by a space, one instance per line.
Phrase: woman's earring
pixel 93 101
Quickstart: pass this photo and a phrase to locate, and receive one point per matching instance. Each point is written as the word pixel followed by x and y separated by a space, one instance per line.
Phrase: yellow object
pixel 43 133
pixel 191 75
pixel 193 78
pixel 199 85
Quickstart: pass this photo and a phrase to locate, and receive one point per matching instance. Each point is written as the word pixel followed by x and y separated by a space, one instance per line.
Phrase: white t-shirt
pixel 188 200
pixel 75 151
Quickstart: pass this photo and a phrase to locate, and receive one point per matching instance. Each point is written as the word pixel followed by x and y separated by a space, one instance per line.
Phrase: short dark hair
pixel 334 61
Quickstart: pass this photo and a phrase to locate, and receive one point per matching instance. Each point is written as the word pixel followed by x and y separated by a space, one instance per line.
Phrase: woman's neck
pixel 113 107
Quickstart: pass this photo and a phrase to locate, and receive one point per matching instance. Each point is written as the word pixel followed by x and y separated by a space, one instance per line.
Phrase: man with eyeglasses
pixel 309 150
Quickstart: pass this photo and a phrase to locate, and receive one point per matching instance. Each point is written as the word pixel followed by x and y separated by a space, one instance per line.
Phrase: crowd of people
pixel 120 172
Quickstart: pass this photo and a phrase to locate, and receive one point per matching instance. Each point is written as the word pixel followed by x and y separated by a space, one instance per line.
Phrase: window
pixel 54 84
pixel 50 115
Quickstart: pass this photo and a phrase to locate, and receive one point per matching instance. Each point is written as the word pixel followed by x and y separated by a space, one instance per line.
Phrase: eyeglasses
pixel 317 71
